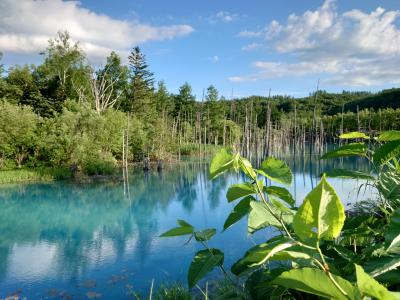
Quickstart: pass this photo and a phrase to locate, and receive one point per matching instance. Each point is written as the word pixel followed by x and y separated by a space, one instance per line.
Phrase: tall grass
pixel 34 175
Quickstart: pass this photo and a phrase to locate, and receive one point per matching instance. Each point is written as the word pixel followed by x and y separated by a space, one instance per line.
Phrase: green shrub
pixel 104 164
pixel 316 249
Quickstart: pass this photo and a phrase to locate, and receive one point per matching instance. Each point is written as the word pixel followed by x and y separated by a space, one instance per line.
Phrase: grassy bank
pixel 34 175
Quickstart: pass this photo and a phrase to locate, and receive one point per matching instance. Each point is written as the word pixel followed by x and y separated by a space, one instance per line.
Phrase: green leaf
pixel 394 226
pixel 386 152
pixel 344 253
pixel 341 173
pixel 260 217
pixel 281 193
pixel 183 223
pixel 388 186
pixel 240 190
pixel 291 255
pixel 254 256
pixel 316 281
pixel 321 216
pixel 277 249
pixel 204 262
pixel 221 162
pixel 354 135
pixel 370 287
pixel 183 229
pixel 247 168
pixel 239 211
pixel 394 246
pixel 389 278
pixel 352 149
pixel 378 266
pixel 388 136
pixel 276 170
pixel 392 235
pixel 204 235
pixel 280 206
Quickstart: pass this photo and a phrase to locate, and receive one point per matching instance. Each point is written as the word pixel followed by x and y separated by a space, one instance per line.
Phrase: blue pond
pixel 63 240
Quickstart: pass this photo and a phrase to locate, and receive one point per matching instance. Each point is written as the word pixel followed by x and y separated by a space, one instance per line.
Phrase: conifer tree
pixel 141 94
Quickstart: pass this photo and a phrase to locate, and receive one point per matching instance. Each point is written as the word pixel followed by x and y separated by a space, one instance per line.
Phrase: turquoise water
pixel 84 240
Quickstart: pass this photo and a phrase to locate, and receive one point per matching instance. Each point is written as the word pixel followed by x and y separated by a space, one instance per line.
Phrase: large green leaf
pixel 240 190
pixel 276 170
pixel 204 262
pixel 260 217
pixel 370 287
pixel 221 162
pixel 388 136
pixel 354 135
pixel 183 229
pixel 247 168
pixel 239 211
pixel 257 254
pixel 321 216
pixel 204 235
pixel 281 193
pixel 316 281
pixel 352 149
pixel 386 152
pixel 341 173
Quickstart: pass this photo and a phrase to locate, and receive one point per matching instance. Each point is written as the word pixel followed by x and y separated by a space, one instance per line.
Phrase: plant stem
pixel 261 194
pixel 329 273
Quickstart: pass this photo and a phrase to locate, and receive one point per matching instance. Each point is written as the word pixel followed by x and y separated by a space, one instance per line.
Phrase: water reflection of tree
pixel 80 219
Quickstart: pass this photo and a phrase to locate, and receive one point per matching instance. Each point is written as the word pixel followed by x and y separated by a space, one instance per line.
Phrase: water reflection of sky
pixel 63 239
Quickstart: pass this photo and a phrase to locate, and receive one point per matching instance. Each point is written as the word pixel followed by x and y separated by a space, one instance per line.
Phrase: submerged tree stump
pixel 159 165
pixel 74 169
pixel 146 164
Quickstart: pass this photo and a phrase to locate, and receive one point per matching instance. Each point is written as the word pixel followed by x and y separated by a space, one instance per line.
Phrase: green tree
pixel 21 88
pixel 184 101
pixel 117 73
pixel 141 93
pixel 164 101
pixel 18 132
pixel 109 84
pixel 214 114
pixel 64 73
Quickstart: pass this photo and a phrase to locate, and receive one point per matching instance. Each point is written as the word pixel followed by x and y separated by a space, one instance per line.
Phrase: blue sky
pixel 245 46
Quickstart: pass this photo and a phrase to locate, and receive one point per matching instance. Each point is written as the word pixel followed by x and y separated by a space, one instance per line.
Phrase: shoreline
pixel 48 174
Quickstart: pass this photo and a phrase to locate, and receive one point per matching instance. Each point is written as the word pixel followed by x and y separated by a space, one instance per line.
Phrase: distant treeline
pixel 64 112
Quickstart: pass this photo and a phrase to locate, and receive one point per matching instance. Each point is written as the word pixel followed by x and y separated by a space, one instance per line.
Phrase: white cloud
pixel 251 46
pixel 223 16
pixel 354 48
pixel 27 25
pixel 226 16
pixel 250 34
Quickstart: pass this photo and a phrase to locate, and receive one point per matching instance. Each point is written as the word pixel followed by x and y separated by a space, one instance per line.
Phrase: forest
pixel 66 115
